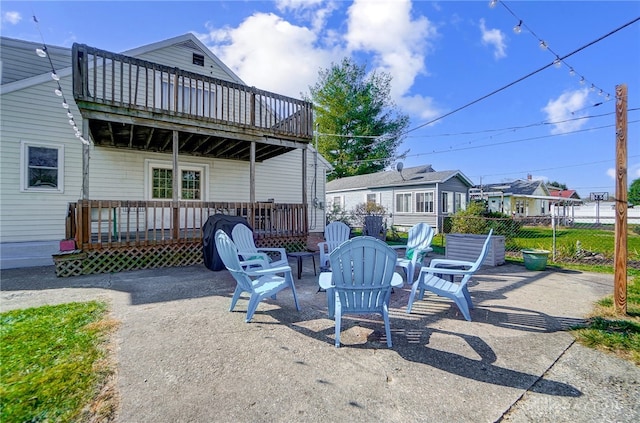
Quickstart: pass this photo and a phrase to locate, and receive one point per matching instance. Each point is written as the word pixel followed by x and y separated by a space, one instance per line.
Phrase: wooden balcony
pixel 117 235
pixel 137 104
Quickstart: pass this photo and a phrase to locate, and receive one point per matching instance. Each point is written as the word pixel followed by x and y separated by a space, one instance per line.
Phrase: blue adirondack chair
pixel 432 279
pixel 417 247
pixel 335 233
pixel 363 272
pixel 258 283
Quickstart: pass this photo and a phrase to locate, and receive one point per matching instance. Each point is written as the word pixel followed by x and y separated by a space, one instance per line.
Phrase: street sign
pixel 599 196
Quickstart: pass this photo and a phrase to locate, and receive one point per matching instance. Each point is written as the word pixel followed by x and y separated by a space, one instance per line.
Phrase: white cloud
pixel 562 111
pixel 494 38
pixel 399 44
pixel 611 173
pixel 11 17
pixel 272 54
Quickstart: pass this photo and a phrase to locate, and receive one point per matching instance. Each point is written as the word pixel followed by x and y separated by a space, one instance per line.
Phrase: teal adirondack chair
pixel 417 247
pixel 432 279
pixel 258 283
pixel 360 281
pixel 243 238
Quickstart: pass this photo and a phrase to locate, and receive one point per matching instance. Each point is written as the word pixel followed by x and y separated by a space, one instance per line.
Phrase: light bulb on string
pixel 58 92
pixel 518 28
pixel 582 80
pixel 55 76
pixel 71 122
pixel 607 97
pixel 493 3
pixel 70 115
pixel 600 92
pixel 557 63
pixel 543 45
pixel 42 52
pixel 592 88
pixel 65 105
pixel 572 72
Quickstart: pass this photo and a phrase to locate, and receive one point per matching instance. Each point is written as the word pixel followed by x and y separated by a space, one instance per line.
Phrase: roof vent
pixel 198 59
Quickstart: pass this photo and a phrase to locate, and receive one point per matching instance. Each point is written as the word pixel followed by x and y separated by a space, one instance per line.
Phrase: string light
pixel 558 62
pixel 42 52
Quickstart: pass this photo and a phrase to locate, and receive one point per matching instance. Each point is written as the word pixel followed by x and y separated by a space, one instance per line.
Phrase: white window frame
pixel 151 164
pixel 460 202
pixel 375 197
pixel 338 203
pixel 24 167
pixel 448 205
pixel 165 84
pixel 405 195
pixel 433 202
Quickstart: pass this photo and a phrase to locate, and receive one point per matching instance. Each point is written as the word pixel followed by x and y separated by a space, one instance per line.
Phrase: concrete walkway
pixel 183 357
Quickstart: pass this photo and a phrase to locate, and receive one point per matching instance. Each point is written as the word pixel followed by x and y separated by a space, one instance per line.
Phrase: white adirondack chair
pixel 243 238
pixel 431 279
pixel 258 283
pixel 416 249
pixel 335 233
pixel 360 281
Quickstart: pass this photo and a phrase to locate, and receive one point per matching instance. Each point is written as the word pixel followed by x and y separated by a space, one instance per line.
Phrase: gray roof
pixel 418 175
pixel 19 59
pixel 516 187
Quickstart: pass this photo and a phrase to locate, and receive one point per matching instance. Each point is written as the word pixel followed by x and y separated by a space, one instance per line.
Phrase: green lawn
pixel 54 362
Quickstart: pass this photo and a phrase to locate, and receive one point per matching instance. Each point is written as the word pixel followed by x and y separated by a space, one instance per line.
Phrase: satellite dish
pixel 399 167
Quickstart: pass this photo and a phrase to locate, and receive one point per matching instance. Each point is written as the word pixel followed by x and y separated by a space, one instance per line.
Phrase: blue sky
pixel 442 56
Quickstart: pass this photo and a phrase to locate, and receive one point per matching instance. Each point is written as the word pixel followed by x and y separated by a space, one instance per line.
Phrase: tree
pixel 557 185
pixel 634 192
pixel 360 124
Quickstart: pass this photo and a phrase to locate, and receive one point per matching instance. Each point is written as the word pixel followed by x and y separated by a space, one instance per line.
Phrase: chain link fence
pixel 587 240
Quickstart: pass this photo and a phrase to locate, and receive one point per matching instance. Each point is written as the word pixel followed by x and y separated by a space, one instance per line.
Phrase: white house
pixel 166 122
pixel 411 195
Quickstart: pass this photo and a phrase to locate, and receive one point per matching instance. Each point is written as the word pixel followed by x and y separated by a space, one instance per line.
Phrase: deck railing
pixel 116 80
pixel 100 224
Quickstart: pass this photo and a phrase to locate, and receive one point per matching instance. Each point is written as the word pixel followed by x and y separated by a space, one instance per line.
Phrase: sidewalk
pixel 183 357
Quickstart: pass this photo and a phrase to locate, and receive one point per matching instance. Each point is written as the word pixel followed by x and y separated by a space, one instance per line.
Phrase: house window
pixel 198 59
pixel 42 167
pixel 194 97
pixel 371 198
pixel 191 186
pixel 403 202
pixel 424 202
pixel 337 201
pixel 460 201
pixel 447 202
pixel 520 207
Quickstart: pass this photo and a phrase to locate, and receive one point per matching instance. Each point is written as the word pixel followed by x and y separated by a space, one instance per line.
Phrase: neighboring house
pixel 517 198
pixel 174 135
pixel 412 195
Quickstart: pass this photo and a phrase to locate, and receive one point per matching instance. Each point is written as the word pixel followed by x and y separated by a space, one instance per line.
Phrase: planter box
pixel 468 246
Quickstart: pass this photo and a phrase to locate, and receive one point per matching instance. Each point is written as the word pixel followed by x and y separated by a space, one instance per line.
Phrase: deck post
pixel 175 208
pixel 85 160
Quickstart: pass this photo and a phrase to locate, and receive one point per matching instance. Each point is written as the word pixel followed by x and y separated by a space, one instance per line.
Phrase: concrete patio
pixel 183 357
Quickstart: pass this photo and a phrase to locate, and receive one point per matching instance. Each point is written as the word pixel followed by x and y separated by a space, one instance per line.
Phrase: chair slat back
pixel 336 232
pixel 420 236
pixel 243 238
pixel 229 254
pixel 362 270
pixel 483 253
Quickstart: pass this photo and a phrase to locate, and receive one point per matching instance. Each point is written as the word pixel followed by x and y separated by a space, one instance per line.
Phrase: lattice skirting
pixel 77 262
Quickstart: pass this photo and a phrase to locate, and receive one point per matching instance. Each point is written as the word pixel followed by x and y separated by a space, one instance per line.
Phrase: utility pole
pixel 620 254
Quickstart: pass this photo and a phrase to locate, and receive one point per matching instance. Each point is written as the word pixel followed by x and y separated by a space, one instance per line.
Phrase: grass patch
pixel 610 331
pixel 54 363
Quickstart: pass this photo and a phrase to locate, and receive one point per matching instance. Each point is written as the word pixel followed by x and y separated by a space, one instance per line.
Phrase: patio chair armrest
pixel 397 280
pixel 281 251
pixel 254 262
pixel 443 271
pixel 399 247
pixel 324 280
pixel 268 270
pixel 448 262
pixel 323 246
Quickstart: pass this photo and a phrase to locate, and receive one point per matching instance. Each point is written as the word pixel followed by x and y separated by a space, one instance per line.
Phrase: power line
pixel 522 78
